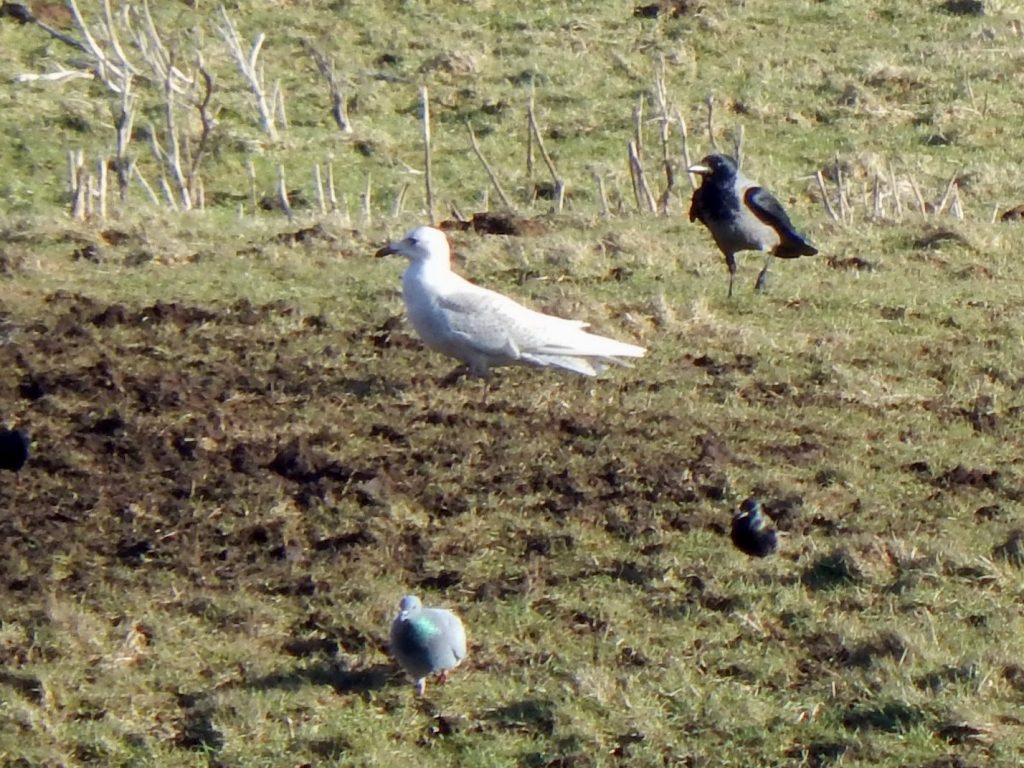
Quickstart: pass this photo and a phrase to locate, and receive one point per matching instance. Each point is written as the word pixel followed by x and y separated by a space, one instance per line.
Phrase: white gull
pixel 485 329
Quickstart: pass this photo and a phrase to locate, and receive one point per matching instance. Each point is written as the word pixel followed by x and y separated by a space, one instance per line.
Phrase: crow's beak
pixel 702 170
pixel 387 250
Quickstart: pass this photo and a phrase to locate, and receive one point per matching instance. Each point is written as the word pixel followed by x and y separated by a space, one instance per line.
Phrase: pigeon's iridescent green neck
pixel 424 627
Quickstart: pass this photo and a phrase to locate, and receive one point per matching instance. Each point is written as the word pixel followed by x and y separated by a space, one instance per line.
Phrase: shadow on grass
pixel 343 681
pixel 534 716
pixel 27 686
pixel 888 716
pixel 835 569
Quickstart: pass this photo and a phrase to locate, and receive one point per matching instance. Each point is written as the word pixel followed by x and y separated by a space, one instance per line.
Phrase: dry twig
pixel 428 174
pixel 487 168
pixel 247 65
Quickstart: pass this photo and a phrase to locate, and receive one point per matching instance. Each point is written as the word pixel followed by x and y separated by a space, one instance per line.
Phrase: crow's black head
pixel 750 533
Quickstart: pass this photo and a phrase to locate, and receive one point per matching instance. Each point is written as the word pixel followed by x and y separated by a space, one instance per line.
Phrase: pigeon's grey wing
pixel 769 210
pixel 456 635
pixel 447 645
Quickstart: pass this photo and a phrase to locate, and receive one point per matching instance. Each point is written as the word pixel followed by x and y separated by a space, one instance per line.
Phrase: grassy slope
pixel 609 618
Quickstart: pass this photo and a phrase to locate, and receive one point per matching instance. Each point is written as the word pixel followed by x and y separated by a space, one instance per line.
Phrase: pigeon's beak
pixel 702 170
pixel 387 250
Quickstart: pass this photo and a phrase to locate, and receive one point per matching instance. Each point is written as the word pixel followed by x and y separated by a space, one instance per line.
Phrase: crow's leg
pixel 762 279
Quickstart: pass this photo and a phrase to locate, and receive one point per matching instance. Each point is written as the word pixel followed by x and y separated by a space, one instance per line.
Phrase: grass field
pixel 243 457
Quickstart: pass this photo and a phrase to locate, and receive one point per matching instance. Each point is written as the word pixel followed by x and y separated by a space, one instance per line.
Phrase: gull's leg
pixel 442 678
pixel 421 686
pixel 451 379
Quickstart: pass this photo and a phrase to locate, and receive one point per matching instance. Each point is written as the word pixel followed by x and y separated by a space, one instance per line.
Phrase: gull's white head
pixel 424 245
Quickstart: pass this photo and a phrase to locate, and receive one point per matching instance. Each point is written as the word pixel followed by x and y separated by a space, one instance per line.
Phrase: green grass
pixel 169 599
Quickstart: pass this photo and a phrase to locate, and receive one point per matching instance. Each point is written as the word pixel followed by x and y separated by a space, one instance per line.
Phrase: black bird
pixel 742 216
pixel 749 531
pixel 13 449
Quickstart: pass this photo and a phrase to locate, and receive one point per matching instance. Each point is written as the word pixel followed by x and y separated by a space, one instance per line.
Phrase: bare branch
pixel 897 203
pixel 282 194
pixel 487 167
pixel 55 77
pixel 640 187
pixel 124 119
pixel 428 172
pixel 330 185
pixel 710 102
pixel 207 123
pixel 824 197
pixel 661 99
pixel 691 177
pixel 946 195
pixel 529 131
pixel 101 190
pixel 172 156
pixel 326 67
pixel 133 170
pixel 599 182
pixel 396 209
pixel 318 189
pixel 367 201
pixel 556 178
pixel 247 64
pixel 30 18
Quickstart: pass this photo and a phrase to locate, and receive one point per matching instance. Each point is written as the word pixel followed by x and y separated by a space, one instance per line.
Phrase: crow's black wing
pixel 768 209
pixel 763 204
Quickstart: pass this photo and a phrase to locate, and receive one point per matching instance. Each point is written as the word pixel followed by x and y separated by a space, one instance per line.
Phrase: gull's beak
pixel 387 250
pixel 699 169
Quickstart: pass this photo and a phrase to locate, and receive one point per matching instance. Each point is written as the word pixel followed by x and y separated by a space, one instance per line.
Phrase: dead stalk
pixel 601 196
pixel 897 202
pixel 318 189
pixel 710 102
pixel 280 110
pixel 282 194
pixel 556 179
pixel 640 188
pixel 487 168
pixel 428 174
pixel 921 205
pixel 133 170
pixel 328 72
pixel 331 196
pixel 529 133
pixel 253 75
pixel 824 197
pixel 101 188
pixel 367 202
pixel 691 177
pixel 661 96
pixel 950 187
pixel 250 171
pixel 396 209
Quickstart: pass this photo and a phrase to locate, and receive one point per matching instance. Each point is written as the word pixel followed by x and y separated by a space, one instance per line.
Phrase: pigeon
pixel 14 444
pixel 483 328
pixel 426 641
pixel 749 531
pixel 742 216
